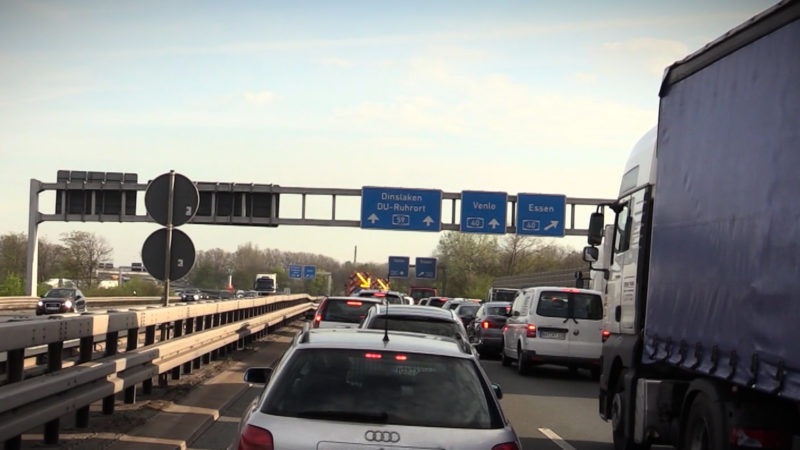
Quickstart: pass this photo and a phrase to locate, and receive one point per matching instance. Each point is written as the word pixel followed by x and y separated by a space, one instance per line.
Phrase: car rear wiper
pixel 349 416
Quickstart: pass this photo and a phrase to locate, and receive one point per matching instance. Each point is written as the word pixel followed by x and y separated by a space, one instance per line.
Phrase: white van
pixel 555 325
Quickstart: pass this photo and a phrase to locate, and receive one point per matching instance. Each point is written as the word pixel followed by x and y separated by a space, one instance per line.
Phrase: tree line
pixel 467 265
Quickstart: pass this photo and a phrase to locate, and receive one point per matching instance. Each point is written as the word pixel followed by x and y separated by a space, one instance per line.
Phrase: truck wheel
pixel 704 426
pixel 523 365
pixel 618 414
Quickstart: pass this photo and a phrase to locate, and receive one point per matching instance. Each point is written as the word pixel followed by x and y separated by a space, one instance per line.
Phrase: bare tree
pixel 84 251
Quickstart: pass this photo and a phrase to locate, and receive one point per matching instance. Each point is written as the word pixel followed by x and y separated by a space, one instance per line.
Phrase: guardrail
pixel 190 335
pixel 29 303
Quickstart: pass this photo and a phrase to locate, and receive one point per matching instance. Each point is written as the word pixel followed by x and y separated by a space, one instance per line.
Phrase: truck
pixel 266 283
pixel 702 272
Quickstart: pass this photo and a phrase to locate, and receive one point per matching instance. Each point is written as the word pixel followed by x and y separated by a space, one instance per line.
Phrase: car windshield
pixel 345 310
pixel 417 325
pixel 59 293
pixel 384 387
pixel 567 304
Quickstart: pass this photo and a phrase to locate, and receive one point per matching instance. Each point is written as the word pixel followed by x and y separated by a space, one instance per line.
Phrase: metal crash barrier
pixel 118 350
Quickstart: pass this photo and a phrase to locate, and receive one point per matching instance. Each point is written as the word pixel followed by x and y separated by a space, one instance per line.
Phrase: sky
pixel 515 97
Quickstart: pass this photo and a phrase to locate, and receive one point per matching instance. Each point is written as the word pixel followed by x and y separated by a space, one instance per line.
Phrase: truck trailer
pixel 702 274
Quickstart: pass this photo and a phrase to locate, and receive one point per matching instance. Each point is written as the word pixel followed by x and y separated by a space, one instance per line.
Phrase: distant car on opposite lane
pixel 192 295
pixel 61 300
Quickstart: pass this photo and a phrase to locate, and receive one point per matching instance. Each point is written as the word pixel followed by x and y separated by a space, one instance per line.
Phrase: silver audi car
pixel 337 389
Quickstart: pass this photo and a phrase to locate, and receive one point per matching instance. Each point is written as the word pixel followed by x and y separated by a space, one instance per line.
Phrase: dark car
pixel 466 312
pixel 486 331
pixel 61 300
pixel 192 295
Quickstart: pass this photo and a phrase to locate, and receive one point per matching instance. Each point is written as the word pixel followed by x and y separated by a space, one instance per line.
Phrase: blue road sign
pixel 309 272
pixel 401 209
pixel 425 268
pixel 295 271
pixel 398 266
pixel 541 214
pixel 483 212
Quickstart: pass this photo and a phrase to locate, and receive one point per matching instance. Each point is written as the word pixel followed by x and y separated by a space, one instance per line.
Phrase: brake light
pixel 571 290
pixel 506 446
pixel 485 324
pixel 354 303
pixel 379 294
pixel 401 357
pixel 255 438
pixel 373 356
pixel 531 331
pixel 606 335
pixel 317 320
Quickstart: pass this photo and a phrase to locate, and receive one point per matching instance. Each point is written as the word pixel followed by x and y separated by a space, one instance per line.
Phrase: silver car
pixel 338 389
pixel 416 319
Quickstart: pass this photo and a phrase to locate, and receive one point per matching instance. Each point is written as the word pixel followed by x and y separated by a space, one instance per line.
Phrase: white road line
pixel 556 438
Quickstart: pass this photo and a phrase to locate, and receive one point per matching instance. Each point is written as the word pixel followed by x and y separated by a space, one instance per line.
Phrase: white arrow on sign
pixel 428 220
pixel 373 218
pixel 553 224
pixel 494 223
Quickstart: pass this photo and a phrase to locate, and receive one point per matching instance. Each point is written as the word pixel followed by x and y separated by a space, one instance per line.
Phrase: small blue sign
pixel 309 272
pixel 483 212
pixel 398 266
pixel 425 268
pixel 401 209
pixel 295 271
pixel 541 214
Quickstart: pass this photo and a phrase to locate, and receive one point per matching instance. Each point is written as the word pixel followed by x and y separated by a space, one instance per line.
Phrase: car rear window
pixel 375 386
pixel 437 302
pixel 416 325
pixel 467 310
pixel 570 304
pixel 498 310
pixel 345 310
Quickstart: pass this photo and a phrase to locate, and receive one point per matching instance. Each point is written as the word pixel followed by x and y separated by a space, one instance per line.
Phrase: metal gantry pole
pixel 32 272
pixel 168 253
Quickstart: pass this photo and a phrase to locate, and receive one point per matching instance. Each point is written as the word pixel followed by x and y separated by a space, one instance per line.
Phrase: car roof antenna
pixel 386 321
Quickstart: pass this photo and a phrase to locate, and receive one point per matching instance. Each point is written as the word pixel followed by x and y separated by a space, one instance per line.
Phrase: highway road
pixel 550 410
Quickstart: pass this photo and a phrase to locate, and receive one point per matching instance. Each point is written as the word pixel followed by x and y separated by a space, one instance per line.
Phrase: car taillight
pixel 255 438
pixel 486 324
pixel 401 357
pixel 506 446
pixel 531 330
pixel 354 303
pixel 373 356
pixel 606 335
pixel 317 320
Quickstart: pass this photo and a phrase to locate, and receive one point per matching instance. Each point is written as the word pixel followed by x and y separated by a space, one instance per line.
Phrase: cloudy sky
pixel 523 96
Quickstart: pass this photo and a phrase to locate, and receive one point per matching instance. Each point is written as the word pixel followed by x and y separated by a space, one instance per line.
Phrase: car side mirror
pixel 497 391
pixel 257 375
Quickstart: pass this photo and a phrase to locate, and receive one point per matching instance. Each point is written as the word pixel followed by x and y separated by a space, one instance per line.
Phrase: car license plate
pixel 552 334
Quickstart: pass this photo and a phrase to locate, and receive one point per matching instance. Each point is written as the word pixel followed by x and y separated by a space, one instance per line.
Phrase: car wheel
pixel 504 360
pixel 705 428
pixel 523 365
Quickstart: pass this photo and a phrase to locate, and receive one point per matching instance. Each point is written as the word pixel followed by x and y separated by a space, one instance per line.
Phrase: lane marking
pixel 558 440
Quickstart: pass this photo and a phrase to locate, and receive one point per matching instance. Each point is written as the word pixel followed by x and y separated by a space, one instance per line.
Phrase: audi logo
pixel 382 436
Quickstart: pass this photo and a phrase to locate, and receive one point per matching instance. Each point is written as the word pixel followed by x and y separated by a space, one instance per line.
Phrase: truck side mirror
pixel 596 224
pixel 591 254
